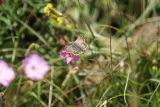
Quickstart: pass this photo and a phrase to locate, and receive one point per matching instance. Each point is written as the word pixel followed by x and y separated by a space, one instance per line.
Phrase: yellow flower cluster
pixel 56 16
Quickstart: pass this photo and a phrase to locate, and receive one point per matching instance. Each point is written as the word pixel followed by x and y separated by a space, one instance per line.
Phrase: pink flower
pixel 7 74
pixel 69 56
pixel 35 67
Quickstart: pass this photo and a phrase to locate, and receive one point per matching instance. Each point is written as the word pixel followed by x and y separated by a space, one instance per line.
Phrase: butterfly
pixel 79 46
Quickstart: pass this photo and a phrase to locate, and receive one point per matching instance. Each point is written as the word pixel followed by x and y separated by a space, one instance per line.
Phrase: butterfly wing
pixel 70 49
pixel 78 47
pixel 80 41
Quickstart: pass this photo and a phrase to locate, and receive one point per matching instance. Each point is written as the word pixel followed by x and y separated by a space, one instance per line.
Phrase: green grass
pixel 120 68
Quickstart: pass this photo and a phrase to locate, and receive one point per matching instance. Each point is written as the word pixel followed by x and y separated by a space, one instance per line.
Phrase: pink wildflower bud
pixel 35 67
pixel 7 74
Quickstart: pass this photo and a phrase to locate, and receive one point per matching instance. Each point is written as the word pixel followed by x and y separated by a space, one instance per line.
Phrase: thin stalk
pixel 89 27
pixel 110 37
pixel 153 94
pixel 103 96
pixel 130 69
pixel 51 87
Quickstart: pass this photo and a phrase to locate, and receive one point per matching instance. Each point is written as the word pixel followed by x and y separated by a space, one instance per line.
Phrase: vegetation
pixel 120 68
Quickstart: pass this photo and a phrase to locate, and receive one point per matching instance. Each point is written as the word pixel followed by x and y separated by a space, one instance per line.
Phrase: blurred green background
pixel 121 67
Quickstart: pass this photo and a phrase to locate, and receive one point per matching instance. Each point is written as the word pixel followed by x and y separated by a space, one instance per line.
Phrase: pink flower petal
pixel 7 74
pixel 69 59
pixel 63 54
pixel 75 57
pixel 68 56
pixel 35 67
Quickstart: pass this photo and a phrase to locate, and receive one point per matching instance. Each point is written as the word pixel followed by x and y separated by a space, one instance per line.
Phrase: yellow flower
pixel 60 20
pixel 50 10
pixel 56 20
pixel 47 8
pixel 56 16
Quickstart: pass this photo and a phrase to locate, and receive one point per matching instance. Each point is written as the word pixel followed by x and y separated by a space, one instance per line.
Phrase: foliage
pixel 120 68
